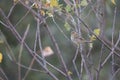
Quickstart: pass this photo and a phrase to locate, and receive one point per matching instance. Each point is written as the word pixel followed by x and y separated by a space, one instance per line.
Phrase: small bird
pixel 75 37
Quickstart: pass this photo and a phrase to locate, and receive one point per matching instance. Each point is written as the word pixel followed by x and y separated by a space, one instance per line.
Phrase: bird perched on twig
pixel 75 37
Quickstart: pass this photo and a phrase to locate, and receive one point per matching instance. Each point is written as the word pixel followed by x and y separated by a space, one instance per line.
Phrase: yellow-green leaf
pixel 54 3
pixel 92 38
pixel 68 8
pixel 49 14
pixel 69 73
pixel 97 32
pixel 84 3
pixel 91 45
pixel 113 1
pixel 67 26
pixel 1 57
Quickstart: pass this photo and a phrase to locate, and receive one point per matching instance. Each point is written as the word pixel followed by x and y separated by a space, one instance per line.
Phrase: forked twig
pixel 20 51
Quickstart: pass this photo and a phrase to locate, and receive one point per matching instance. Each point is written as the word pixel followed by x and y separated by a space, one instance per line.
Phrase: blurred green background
pixel 66 47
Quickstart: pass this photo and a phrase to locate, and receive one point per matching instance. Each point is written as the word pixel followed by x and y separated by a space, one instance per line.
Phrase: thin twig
pixel 113 32
pixel 3 24
pixel 103 63
pixel 83 55
pixel 58 52
pixel 28 68
pixel 11 9
pixel 23 16
pixel 86 64
pixel 1 70
pixel 74 64
pixel 19 38
pixel 20 52
pixel 77 13
pixel 8 48
pixel 99 64
pixel 115 73
pixel 35 14
pixel 86 26
pixel 60 29
pixel 31 69
pixel 16 34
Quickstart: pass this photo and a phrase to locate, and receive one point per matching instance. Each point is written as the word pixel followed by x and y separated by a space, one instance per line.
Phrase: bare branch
pixel 58 52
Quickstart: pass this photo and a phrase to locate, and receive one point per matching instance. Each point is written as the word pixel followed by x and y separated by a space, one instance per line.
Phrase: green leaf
pixel 84 3
pixel 67 26
pixel 68 8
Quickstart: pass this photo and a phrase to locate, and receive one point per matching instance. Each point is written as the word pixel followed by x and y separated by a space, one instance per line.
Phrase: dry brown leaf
pixel 47 51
